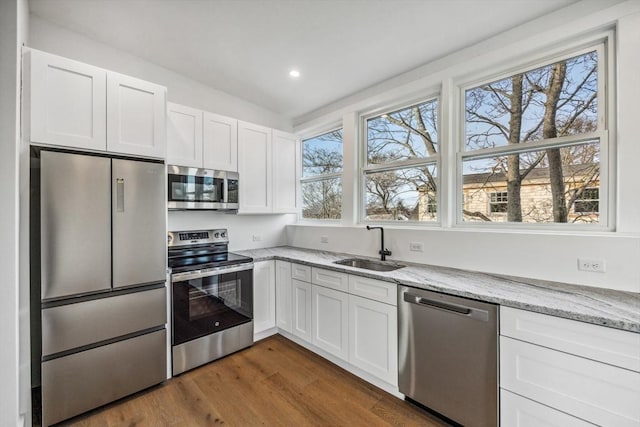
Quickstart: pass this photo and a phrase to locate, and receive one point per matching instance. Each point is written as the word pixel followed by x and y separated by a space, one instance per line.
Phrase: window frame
pixel 319 177
pixel 364 168
pixel 604 44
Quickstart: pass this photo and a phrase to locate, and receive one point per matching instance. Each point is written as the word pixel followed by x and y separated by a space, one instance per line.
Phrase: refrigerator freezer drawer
pixel 82 381
pixel 75 325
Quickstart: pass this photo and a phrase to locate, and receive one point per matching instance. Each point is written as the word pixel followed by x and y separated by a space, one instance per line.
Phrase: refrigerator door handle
pixel 120 194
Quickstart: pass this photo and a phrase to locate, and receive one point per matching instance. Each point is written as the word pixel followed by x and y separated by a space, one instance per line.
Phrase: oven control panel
pixel 197 237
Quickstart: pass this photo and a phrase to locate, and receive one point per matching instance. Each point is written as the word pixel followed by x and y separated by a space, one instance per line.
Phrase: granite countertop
pixel 615 309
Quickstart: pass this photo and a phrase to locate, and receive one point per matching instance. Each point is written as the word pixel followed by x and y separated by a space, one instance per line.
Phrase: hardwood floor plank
pixel 274 383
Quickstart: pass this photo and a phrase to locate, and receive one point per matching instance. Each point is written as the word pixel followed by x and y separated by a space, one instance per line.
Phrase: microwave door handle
pixel 120 194
pixel 225 190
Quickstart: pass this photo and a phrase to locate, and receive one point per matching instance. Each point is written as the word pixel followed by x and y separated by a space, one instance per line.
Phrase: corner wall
pixel 548 254
pixel 10 39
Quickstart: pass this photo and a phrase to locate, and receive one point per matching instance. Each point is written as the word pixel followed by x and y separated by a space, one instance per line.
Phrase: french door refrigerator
pixel 98 272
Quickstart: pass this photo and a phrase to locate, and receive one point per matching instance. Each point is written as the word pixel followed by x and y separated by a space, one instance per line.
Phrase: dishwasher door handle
pixel 455 308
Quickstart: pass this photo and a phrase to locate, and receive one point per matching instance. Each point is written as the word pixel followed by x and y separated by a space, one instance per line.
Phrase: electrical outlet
pixel 596 265
pixel 256 238
pixel 324 239
pixel 416 246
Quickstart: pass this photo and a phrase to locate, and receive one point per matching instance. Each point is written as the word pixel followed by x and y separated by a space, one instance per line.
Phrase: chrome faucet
pixel 383 251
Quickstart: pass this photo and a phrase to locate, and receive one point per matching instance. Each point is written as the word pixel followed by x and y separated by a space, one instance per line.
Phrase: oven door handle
pixel 198 274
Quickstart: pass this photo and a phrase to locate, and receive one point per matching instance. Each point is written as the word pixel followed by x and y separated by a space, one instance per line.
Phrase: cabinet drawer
pixel 82 381
pixel 74 325
pixel 599 393
pixel 301 272
pixel 377 290
pixel 612 346
pixel 517 411
pixel 330 279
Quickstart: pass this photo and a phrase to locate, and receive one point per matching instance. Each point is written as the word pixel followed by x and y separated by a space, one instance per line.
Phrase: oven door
pixel 208 302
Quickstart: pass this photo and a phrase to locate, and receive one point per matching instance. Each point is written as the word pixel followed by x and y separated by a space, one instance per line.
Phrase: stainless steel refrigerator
pixel 98 272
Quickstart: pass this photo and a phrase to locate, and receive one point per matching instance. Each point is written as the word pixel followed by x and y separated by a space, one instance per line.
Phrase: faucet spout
pixel 383 251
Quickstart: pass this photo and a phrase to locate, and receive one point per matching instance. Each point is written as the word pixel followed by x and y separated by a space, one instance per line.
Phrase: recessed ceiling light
pixel 294 73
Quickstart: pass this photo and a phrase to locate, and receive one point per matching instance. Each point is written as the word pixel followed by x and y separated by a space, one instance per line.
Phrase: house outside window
pixel 400 164
pixel 536 139
pixel 321 181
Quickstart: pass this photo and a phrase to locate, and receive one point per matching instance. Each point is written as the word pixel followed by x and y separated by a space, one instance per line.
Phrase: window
pixel 498 202
pixel 535 139
pixel 321 181
pixel 400 171
pixel 587 201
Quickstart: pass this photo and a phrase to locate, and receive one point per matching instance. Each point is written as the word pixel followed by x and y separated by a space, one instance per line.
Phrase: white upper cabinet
pixel 254 167
pixel 135 116
pixel 200 139
pixel 184 135
pixel 67 102
pixel 268 167
pixel 286 152
pixel 77 105
pixel 220 142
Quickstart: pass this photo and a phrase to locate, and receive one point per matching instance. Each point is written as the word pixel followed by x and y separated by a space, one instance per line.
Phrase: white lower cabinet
pixel 518 411
pixel 373 338
pixel 586 371
pixel 301 310
pixel 284 291
pixel 264 296
pixel 330 310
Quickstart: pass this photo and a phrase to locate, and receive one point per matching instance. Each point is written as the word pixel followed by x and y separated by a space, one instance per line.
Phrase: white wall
pixel 12 24
pixel 542 255
pixel 49 37
pixel 269 229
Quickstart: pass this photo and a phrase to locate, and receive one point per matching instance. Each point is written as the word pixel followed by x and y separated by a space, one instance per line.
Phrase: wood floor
pixel 274 383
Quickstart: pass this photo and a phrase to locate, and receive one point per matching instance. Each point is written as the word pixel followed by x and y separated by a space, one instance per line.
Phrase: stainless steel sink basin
pixel 368 264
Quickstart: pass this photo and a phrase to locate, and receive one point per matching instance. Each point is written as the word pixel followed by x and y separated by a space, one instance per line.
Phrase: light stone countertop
pixel 615 309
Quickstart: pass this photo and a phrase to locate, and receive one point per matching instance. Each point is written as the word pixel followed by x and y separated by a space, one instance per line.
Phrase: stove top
pixel 199 250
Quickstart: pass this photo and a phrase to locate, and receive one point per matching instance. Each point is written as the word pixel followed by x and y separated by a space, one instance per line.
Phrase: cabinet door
pixel 254 167
pixel 596 392
pixel 264 296
pixel 68 102
pixel 517 411
pixel 184 136
pixel 283 295
pixel 135 116
pixel 373 338
pixel 330 310
pixel 220 146
pixel 286 152
pixel 301 297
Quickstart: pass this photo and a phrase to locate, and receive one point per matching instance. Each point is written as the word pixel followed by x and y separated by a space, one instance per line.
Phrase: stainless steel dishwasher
pixel 448 355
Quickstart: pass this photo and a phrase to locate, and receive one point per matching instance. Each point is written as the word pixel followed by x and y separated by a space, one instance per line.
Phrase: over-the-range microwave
pixel 204 189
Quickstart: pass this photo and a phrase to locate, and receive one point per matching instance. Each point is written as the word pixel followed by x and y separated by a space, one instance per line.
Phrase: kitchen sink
pixel 368 264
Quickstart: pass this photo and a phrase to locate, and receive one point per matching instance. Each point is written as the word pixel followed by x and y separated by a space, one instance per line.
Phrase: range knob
pixel 224 234
pixel 216 235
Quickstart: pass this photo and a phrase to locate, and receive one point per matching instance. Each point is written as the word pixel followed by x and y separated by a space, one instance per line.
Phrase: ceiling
pixel 247 47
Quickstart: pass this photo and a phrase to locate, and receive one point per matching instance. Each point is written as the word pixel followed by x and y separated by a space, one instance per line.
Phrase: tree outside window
pixel 535 135
pixel 321 181
pixel 400 173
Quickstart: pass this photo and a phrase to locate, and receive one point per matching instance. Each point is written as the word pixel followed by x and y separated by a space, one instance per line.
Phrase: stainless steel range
pixel 212 290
